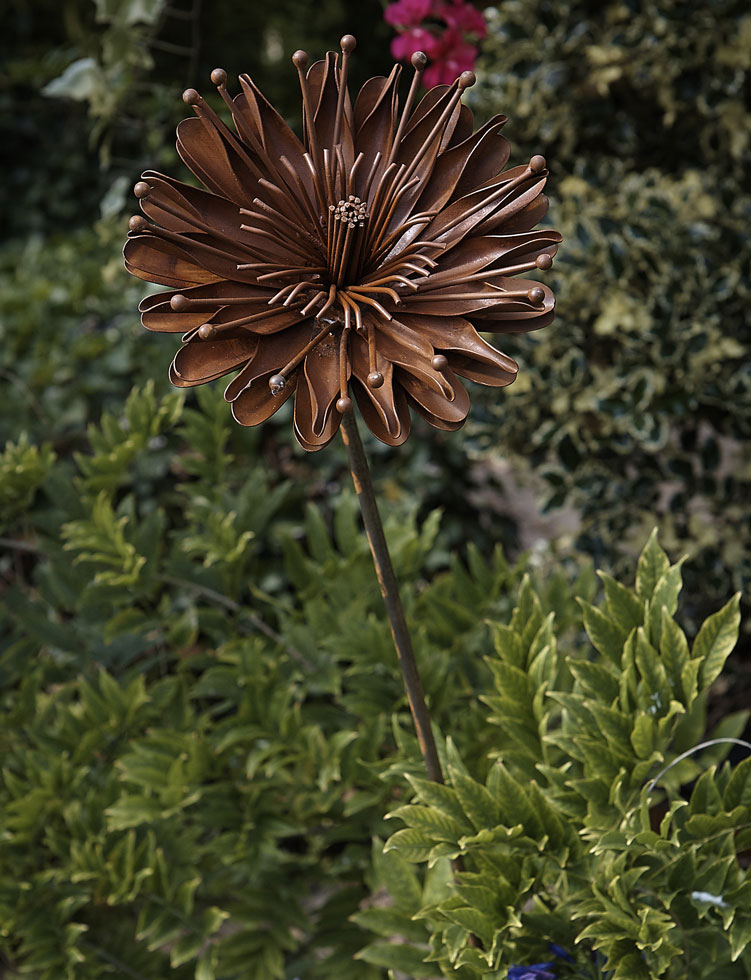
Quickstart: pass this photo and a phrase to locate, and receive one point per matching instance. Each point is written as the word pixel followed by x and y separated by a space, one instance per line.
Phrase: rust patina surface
pixel 357 262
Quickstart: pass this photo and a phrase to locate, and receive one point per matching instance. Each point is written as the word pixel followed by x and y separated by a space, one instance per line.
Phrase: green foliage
pixel 201 717
pixel 200 739
pixel 636 403
pixel 595 826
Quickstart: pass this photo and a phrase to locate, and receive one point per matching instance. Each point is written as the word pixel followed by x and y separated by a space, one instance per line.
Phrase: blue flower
pixel 538 971
pixel 561 953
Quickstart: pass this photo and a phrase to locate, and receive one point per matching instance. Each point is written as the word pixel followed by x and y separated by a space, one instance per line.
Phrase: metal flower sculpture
pixel 361 261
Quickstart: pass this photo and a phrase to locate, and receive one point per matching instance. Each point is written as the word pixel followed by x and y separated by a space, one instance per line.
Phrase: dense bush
pixel 636 403
pixel 202 725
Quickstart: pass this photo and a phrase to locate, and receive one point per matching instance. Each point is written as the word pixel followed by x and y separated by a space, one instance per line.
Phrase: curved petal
pixel 481 211
pixel 200 361
pixel 384 409
pixel 156 260
pixel 453 410
pixel 323 83
pixel 321 376
pixel 457 337
pixel 497 299
pixel 316 419
pixel 272 354
pixel 215 160
pixel 257 403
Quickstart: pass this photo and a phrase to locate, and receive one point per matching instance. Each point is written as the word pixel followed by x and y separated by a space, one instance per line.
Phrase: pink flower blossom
pixel 407 13
pixel 464 17
pixel 450 51
pixel 404 45
pixel 454 55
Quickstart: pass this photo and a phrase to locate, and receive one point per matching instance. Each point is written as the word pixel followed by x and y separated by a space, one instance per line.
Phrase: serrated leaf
pixel 432 822
pixel 715 640
pixel 440 797
pixel 653 563
pixel 665 595
pixel 596 679
pixel 392 956
pixel 623 606
pixel 606 636
pixel 412 844
pixel 475 800
pixel 508 645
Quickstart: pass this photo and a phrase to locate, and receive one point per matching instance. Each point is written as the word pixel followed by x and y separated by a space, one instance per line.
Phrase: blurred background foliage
pixel 194 539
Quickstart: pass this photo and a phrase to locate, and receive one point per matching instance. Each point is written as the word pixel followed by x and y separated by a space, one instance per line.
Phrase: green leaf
pixel 607 636
pixel 738 790
pixel 675 655
pixel 440 797
pixel 508 645
pixel 653 563
pixel 475 800
pixel 740 935
pixel 715 640
pixel 432 822
pixel 397 876
pixel 644 735
pixel 411 843
pixel 623 606
pixel 665 595
pixel 392 956
pixel 390 922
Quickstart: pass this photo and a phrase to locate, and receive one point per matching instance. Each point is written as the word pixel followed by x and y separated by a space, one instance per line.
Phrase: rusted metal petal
pixel 359 260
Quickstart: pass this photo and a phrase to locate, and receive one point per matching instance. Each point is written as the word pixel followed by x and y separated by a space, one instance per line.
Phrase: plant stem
pixel 360 470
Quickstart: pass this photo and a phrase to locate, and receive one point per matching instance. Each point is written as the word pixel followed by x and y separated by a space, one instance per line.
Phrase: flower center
pixel 345 234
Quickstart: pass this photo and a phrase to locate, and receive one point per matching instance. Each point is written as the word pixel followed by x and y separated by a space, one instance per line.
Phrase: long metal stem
pixel 358 465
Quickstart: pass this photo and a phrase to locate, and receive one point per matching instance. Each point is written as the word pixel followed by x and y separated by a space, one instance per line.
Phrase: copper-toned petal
pixel 205 360
pixel 453 410
pixel 375 117
pixel 216 164
pixel 480 371
pixel 384 409
pixel 485 209
pixel 520 310
pixel 266 319
pixel 410 350
pixel 321 373
pixel 521 216
pixel 489 153
pixel 163 262
pixel 491 252
pixel 324 90
pixel 458 300
pixel 422 124
pixel 456 335
pixel 316 419
pixel 257 403
pixel 272 354
pixel 462 128
pixel 274 135
pixel 466 165
pixel 199 209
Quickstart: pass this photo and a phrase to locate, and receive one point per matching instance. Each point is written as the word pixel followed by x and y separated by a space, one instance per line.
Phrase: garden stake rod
pixel 358 464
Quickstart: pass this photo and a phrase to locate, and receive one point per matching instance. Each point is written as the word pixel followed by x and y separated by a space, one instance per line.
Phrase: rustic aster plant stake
pixel 360 261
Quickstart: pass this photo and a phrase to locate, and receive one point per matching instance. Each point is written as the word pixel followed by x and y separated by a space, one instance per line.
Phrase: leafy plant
pixel 596 826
